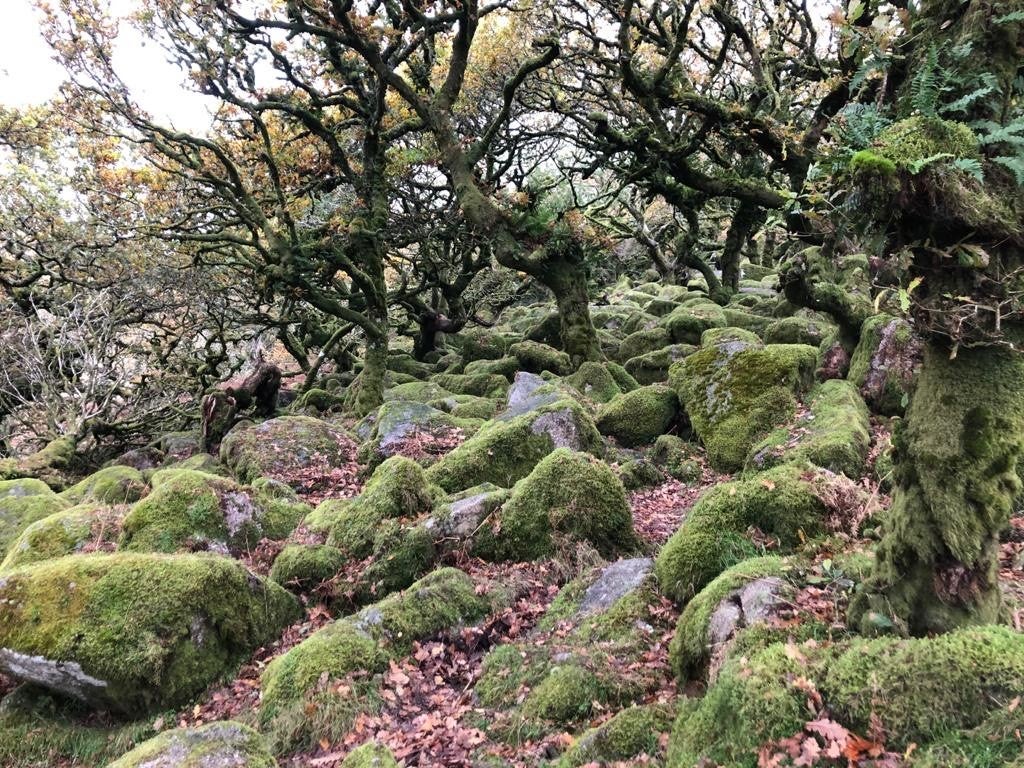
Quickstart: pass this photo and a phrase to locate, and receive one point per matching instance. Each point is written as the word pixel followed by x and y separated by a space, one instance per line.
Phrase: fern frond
pixel 964 103
pixel 1016 166
pixel 1010 18
pixel 925 87
pixel 969 166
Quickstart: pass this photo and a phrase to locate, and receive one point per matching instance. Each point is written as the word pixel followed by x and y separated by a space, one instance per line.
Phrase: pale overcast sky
pixel 28 74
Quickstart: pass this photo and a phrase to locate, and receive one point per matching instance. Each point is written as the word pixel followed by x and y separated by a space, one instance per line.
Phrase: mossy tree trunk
pixel 747 217
pixel 937 565
pixel 567 280
pixel 957 452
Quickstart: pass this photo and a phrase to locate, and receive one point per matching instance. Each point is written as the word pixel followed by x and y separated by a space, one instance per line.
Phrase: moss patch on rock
pixel 213 745
pixel 638 417
pixel 281 447
pixel 112 485
pixel 834 433
pixel 781 502
pixel 569 494
pixel 735 391
pixel 135 632
pixel 23 502
pixel 504 451
pixel 633 732
pixel 302 700
pixel 66 532
pixel 301 567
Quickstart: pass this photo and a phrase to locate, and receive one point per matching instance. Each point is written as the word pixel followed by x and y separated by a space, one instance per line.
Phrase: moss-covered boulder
pixel 318 688
pixel 481 384
pixel 885 363
pixel 399 421
pixel 480 344
pixel 301 567
pixel 370 755
pixel 460 516
pixel 600 382
pixel 643 342
pixel 116 484
pixel 638 417
pixel 507 450
pixel 23 502
pixel 223 744
pixel 735 391
pixel 135 632
pixel 916 691
pixel 638 473
pixel 417 392
pixel 834 433
pixel 189 511
pixel 678 458
pixel 737 598
pixel 798 330
pixel 537 358
pixel 633 732
pixel 782 502
pixel 653 367
pixel 568 495
pixel 686 324
pixel 65 533
pixel 281 448
pixel 588 648
pixel 317 401
pixel 397 489
pixel 503 366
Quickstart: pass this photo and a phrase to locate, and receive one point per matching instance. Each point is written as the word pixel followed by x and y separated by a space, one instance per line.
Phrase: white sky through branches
pixel 28 74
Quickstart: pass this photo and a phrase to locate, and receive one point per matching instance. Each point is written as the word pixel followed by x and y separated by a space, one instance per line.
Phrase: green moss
pixel 471 407
pixel 566 694
pixel 678 457
pixel 916 691
pixel 756 324
pixel 568 494
pixel 481 344
pixel 885 363
pixel 916 138
pixel 205 746
pixel 639 473
pixel 798 330
pixel 155 629
pixel 834 433
pixel 595 381
pixel 318 401
pixel 417 392
pixel 995 743
pixel 111 485
pixel 503 673
pixel 633 732
pixel 201 462
pixel 653 367
pixel 301 567
pixel 735 392
pixel 536 358
pixel 398 488
pixel 754 701
pixel 281 447
pixel 868 162
pixel 638 417
pixel 921 689
pixel 23 502
pixel 686 324
pixel 481 384
pixel 504 451
pixel 781 502
pixel 400 555
pixel 503 366
pixel 643 342
pixel 689 651
pixel 370 755
pixel 189 510
pixel 64 533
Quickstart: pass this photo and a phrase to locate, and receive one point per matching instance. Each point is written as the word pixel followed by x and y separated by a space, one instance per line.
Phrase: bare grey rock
pixel 615 582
